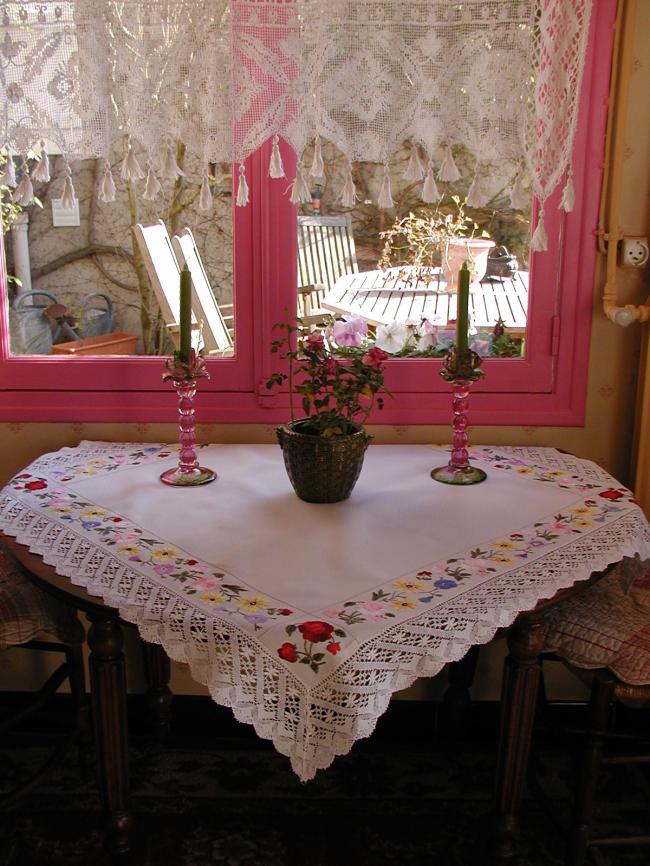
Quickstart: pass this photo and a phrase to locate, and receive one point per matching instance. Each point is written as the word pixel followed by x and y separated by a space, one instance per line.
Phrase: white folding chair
pixel 326 252
pixel 217 336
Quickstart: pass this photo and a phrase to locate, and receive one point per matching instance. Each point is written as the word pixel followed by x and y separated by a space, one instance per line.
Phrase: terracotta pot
pixel 321 468
pixel 474 251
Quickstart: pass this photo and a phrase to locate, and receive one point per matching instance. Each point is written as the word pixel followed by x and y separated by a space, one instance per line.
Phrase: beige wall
pixel 606 436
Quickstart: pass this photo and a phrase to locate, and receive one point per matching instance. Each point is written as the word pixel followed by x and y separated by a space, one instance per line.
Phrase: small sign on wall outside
pixel 63 217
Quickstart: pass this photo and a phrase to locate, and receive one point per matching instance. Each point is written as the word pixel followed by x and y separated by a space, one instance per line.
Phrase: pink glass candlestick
pixel 459 470
pixel 188 473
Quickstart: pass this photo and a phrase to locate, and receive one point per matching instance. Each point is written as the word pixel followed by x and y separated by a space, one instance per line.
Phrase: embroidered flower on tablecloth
pixel 313 632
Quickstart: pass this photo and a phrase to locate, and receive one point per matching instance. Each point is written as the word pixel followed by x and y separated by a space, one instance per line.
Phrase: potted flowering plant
pixel 337 374
pixel 424 242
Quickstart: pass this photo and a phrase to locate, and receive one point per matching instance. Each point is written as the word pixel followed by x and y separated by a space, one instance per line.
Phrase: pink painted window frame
pixel 548 386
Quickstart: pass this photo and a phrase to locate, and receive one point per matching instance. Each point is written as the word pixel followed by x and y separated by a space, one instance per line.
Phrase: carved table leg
pixel 108 689
pixel 518 702
pixel 158 671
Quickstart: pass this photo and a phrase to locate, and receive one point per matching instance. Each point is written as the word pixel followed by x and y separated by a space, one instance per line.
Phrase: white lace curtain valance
pixel 501 78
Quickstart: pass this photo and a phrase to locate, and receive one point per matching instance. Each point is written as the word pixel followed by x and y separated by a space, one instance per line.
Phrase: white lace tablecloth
pixel 306 618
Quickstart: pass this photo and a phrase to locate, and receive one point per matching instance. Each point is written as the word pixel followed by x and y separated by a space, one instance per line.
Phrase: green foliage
pixel 337 385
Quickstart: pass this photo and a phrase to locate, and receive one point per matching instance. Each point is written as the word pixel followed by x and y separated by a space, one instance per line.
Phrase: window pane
pixel 86 285
pixel 387 272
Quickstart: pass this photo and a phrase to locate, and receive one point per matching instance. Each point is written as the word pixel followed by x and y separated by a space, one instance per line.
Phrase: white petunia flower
pixel 392 338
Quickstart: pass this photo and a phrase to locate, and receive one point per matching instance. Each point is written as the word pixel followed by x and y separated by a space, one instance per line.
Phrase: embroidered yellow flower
pixel 85 471
pixel 93 512
pixel 61 509
pixel 524 470
pixel 582 523
pixel 408 585
pixel 556 473
pixel 98 461
pixel 252 603
pixel 164 554
pixel 402 603
pixel 505 545
pixel 502 560
pixel 129 549
pixel 212 597
pixel 582 510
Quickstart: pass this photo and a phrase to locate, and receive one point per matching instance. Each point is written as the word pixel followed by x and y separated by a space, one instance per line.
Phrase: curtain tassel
pixel 131 167
pixel 41 172
pixel 68 196
pixel 385 198
pixel 539 241
pixel 300 193
pixel 568 194
pixel 519 199
pixel 107 186
pixel 205 196
pixel 476 196
pixel 24 192
pixel 242 189
pixel 349 192
pixel 448 170
pixel 276 168
pixel 317 165
pixel 430 192
pixel 170 168
pixel 414 170
pixel 152 185
pixel 8 176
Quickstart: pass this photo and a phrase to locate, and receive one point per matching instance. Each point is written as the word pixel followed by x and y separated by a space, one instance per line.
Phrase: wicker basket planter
pixel 320 468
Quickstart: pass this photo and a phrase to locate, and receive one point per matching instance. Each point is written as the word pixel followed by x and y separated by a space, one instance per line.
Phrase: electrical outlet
pixel 634 252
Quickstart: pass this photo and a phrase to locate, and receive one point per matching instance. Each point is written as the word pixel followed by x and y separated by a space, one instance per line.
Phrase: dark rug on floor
pixel 236 805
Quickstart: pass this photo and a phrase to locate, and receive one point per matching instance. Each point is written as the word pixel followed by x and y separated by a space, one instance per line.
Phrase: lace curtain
pixel 501 78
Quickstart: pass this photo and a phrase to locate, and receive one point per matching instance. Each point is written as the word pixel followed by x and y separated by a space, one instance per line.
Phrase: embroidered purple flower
pixel 164 568
pixel 256 618
pixel 91 524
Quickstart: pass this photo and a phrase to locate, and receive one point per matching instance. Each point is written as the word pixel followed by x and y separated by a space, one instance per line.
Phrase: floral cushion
pixel 27 611
pixel 608 625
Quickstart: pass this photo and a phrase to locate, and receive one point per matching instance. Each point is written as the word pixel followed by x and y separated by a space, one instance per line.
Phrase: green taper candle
pixel 462 313
pixel 185 320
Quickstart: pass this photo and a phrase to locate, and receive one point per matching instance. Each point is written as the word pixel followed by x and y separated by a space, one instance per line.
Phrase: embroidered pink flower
pixel 208 583
pixel 373 606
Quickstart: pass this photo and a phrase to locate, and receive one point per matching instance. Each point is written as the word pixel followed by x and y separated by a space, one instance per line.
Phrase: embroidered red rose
pixel 35 485
pixel 611 494
pixel 192 561
pixel 117 519
pixel 284 611
pixel 333 648
pixel 316 631
pixel 288 652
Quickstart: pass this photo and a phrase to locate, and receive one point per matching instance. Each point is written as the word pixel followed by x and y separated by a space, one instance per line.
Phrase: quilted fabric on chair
pixel 27 611
pixel 603 635
pixel 608 625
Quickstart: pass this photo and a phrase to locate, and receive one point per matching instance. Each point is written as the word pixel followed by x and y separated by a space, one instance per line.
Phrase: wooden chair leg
pixel 108 690
pixel 599 705
pixel 158 672
pixel 77 678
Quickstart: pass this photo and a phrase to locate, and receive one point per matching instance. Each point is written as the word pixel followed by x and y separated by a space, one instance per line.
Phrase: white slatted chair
pixel 163 270
pixel 326 252
pixel 216 320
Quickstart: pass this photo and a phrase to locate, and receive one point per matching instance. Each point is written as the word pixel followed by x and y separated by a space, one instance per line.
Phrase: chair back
pixel 204 304
pixel 325 252
pixel 162 268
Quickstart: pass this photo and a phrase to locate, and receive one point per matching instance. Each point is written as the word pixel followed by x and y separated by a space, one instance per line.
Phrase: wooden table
pixel 116 530
pixel 382 297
